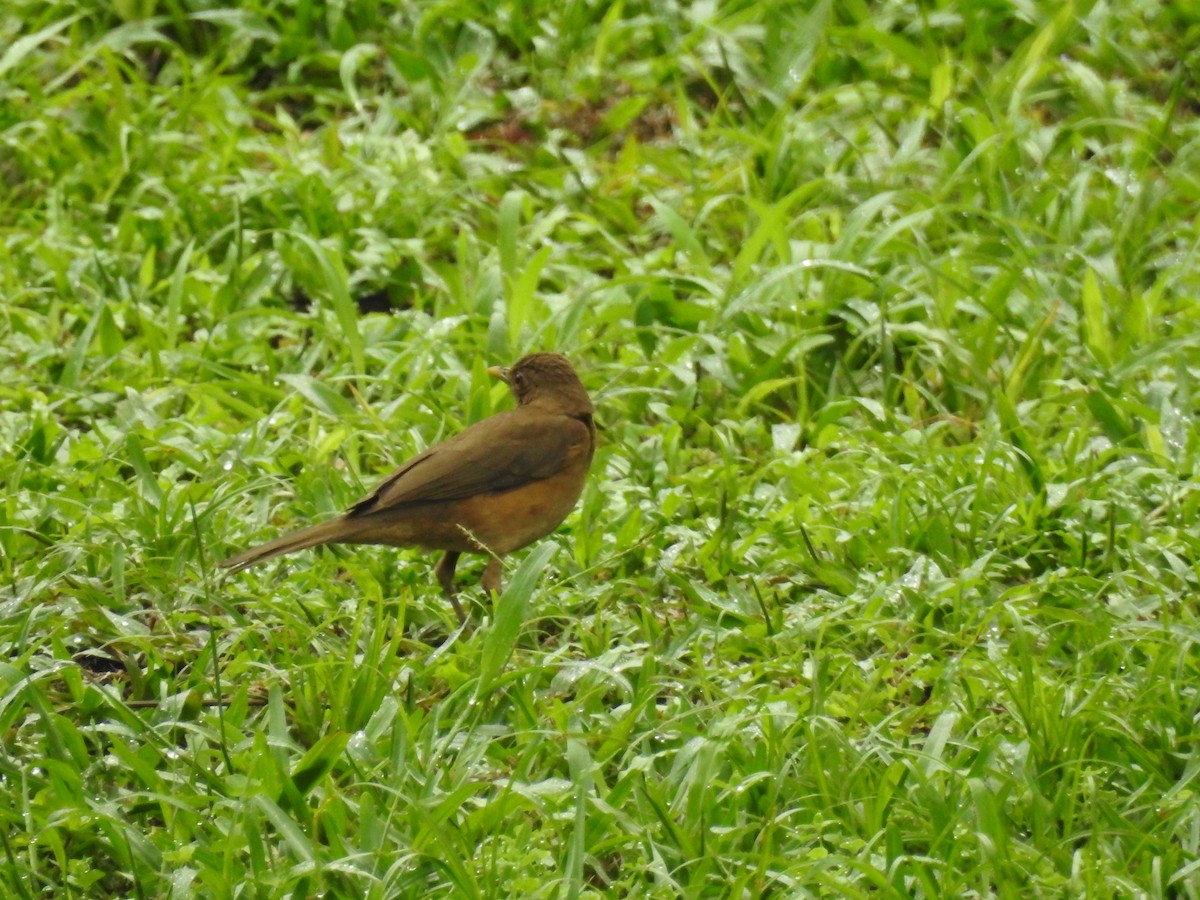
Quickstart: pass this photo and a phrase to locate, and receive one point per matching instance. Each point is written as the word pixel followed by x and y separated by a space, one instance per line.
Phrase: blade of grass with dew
pixel 500 640
pixel 337 284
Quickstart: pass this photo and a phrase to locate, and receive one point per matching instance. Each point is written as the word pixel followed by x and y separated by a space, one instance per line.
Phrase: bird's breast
pixel 509 520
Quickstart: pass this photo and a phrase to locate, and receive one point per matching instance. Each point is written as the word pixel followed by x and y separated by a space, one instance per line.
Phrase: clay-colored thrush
pixel 496 487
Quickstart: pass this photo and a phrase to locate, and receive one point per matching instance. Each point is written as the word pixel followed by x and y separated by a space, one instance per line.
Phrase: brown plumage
pixel 494 488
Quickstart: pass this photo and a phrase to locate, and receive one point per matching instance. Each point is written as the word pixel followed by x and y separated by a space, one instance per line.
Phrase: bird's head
pixel 545 378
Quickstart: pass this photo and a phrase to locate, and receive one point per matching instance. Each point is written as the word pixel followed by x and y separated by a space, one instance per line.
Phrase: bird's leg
pixel 445 577
pixel 491 575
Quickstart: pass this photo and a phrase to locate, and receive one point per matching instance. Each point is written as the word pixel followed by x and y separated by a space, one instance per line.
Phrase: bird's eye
pixel 519 379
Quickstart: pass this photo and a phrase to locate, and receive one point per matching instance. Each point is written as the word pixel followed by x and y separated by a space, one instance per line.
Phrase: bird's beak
pixel 500 372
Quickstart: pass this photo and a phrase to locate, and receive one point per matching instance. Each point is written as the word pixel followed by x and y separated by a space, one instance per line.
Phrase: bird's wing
pixel 500 453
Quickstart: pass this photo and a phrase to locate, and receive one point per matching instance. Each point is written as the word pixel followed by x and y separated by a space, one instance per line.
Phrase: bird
pixel 495 487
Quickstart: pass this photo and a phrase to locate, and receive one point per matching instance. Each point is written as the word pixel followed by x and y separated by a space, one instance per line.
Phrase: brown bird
pixel 501 484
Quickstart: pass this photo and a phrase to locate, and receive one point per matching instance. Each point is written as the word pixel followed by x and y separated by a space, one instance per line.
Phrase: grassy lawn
pixel 885 582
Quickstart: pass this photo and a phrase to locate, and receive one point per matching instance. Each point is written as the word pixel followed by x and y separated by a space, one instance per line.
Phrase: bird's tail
pixel 322 533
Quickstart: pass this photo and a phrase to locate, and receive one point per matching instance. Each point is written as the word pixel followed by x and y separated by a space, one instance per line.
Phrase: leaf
pixel 291 832
pixel 1033 348
pixel 318 761
pixel 344 308
pixel 935 744
pixel 350 62
pixel 508 227
pixel 1020 439
pixel 22 47
pixel 509 616
pixel 175 295
pixel 319 394
pixel 916 58
pixel 111 339
pixel 773 224
pixel 1095 329
pixel 1116 429
pixel 520 299
pixel 141 466
pixel 78 355
pixel 941 84
pixel 682 232
pixel 764 389
pixel 579 762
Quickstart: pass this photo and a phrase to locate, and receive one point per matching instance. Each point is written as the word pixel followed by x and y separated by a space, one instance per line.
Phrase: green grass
pixel 885 581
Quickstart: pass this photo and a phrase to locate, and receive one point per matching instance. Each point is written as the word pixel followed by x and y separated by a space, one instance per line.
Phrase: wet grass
pixel 885 580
